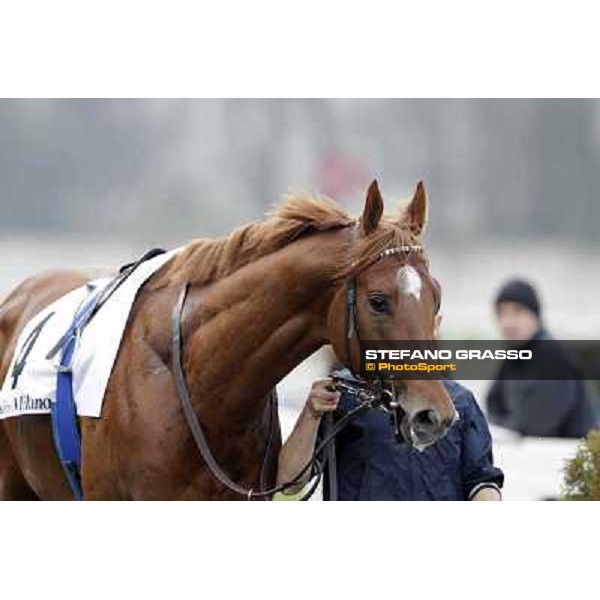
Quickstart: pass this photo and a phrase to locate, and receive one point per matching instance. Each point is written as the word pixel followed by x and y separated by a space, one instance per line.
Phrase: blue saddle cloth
pixel 65 426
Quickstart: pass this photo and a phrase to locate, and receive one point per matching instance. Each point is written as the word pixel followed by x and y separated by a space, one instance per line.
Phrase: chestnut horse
pixel 260 301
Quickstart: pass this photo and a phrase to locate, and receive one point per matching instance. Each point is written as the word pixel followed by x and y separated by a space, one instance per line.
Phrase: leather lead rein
pixel 332 430
pixel 198 433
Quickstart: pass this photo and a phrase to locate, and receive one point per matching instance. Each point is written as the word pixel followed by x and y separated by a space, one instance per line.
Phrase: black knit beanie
pixel 521 292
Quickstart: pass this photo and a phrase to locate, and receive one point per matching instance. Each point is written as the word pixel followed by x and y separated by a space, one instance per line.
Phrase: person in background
pixel 373 465
pixel 522 398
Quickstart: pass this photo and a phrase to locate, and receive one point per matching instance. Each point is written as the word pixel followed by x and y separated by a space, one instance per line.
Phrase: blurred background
pixel 514 185
pixel 514 189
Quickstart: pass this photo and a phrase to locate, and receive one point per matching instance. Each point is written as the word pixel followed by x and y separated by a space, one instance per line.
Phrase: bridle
pixel 352 324
pixel 370 394
pixel 378 393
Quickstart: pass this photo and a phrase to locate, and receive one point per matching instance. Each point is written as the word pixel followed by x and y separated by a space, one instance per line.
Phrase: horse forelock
pixel 390 233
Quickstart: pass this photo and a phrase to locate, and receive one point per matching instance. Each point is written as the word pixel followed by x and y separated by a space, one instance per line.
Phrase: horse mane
pixel 206 260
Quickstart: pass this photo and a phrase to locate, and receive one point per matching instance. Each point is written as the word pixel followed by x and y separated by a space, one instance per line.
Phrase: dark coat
pixel 521 400
pixel 372 465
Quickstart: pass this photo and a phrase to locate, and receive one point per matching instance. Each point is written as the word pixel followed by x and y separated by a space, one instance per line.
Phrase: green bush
pixel 582 473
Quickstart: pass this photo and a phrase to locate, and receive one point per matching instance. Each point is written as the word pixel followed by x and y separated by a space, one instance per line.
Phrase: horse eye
pixel 379 304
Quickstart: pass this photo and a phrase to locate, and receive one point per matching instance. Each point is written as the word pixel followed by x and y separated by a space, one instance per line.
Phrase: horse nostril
pixel 426 420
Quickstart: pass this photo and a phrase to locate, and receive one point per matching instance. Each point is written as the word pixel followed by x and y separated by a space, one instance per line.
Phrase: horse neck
pixel 255 326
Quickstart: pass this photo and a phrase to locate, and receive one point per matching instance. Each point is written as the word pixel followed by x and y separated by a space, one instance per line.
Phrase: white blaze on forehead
pixel 409 281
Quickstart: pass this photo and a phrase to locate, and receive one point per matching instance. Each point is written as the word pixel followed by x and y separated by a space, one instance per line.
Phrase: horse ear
pixel 373 209
pixel 415 214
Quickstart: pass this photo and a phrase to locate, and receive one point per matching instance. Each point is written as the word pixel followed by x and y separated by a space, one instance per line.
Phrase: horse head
pixel 387 293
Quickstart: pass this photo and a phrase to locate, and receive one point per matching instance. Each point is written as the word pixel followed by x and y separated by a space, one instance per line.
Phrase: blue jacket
pixel 372 465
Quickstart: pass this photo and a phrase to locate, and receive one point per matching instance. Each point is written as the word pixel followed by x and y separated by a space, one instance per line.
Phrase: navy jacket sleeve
pixel 477 457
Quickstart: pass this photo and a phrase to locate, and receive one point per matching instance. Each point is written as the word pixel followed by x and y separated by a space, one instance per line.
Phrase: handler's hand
pixel 321 398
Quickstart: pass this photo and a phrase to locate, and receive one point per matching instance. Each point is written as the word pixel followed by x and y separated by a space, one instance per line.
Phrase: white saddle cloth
pixel 92 364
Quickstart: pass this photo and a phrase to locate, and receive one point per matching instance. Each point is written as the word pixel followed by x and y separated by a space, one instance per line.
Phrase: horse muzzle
pixel 424 428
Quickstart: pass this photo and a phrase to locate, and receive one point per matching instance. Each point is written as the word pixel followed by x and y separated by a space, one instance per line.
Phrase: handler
pixel 372 465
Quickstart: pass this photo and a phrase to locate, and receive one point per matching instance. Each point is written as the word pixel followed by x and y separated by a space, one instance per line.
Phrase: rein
pixel 200 438
pixel 369 394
